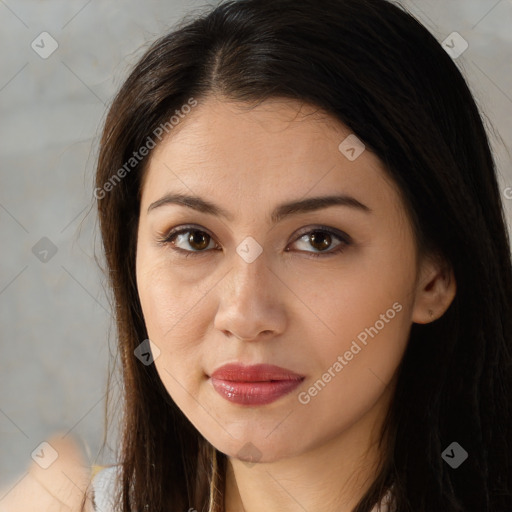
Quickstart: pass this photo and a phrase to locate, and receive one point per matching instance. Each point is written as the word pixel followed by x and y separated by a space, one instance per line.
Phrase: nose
pixel 251 301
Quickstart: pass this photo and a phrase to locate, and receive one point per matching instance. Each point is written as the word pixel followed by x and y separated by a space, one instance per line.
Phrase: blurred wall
pixel 61 62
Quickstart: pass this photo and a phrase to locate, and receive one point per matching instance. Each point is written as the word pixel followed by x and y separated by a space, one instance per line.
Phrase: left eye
pixel 318 238
pixel 322 239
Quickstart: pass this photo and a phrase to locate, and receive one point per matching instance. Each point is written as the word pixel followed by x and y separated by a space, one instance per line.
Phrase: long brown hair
pixel 375 68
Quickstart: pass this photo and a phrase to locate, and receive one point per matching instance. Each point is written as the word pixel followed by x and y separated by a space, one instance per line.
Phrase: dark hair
pixel 375 68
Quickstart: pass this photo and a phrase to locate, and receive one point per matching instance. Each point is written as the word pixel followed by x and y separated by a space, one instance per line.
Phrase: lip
pixel 255 384
pixel 238 372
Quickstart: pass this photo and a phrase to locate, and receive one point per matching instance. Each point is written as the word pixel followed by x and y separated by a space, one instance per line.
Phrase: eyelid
pixel 164 236
pixel 318 227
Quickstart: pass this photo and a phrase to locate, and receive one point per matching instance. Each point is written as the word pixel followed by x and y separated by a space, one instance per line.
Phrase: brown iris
pixel 198 240
pixel 320 240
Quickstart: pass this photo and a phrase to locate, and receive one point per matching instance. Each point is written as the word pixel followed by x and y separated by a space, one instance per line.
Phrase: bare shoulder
pixel 58 479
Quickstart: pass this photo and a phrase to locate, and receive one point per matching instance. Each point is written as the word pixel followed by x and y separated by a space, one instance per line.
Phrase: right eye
pixel 197 239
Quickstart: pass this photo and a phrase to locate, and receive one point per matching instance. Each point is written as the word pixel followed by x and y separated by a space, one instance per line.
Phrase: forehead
pixel 216 123
pixel 276 150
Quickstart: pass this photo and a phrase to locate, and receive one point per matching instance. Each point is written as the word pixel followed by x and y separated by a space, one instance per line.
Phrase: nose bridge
pixel 247 276
pixel 247 301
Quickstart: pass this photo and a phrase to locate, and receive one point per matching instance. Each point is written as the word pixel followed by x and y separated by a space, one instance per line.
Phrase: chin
pixel 253 450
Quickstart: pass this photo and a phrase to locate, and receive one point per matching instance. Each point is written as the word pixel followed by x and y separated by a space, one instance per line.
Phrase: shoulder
pixel 104 488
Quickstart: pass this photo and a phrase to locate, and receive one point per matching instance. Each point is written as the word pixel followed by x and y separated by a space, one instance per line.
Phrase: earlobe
pixel 435 291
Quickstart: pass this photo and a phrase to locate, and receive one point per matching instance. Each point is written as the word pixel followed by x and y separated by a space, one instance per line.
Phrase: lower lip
pixel 254 393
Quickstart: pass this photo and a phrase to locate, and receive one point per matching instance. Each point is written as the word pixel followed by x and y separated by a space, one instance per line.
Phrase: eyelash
pixel 166 239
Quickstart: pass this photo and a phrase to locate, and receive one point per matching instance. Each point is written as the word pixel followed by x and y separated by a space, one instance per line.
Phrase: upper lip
pixel 238 372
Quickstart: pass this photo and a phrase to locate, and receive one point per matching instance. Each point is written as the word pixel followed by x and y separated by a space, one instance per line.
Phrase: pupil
pixel 322 239
pixel 195 239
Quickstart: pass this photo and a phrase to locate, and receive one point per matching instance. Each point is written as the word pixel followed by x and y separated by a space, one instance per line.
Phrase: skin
pixel 285 307
pixel 59 487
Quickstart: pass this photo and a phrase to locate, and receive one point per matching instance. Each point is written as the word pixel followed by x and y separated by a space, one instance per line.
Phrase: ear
pixel 435 289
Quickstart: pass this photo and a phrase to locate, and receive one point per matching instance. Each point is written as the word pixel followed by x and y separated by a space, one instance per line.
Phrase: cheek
pixel 352 368
pixel 167 301
pixel 174 315
pixel 363 332
pixel 365 315
pixel 159 301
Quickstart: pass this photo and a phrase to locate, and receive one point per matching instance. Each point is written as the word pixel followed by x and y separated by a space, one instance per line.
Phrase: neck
pixel 331 477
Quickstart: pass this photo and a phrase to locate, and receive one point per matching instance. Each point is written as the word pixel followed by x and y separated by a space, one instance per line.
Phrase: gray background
pixel 55 314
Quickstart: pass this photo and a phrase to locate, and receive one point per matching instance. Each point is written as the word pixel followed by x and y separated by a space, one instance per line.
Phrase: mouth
pixel 254 385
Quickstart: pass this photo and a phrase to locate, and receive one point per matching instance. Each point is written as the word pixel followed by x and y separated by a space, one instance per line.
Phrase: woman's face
pixel 326 291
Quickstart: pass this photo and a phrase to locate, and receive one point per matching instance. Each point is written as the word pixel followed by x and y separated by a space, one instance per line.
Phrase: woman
pixel 262 103
pixel 306 185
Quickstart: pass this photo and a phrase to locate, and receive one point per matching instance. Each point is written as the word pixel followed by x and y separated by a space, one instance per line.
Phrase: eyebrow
pixel 280 212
